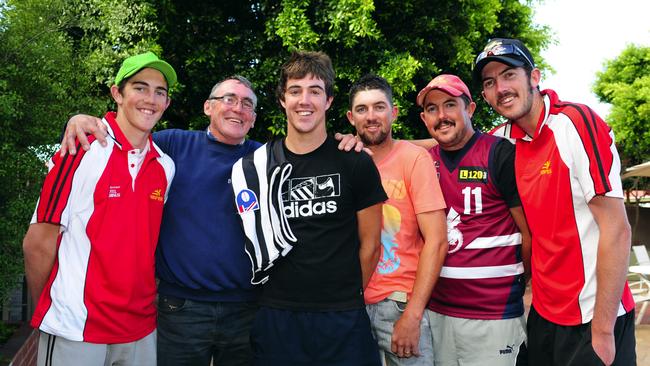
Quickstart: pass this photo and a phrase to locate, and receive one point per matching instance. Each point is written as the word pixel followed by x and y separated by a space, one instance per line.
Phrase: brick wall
pixel 26 355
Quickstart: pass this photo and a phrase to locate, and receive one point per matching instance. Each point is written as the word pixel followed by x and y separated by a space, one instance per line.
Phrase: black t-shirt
pixel 326 189
pixel 504 172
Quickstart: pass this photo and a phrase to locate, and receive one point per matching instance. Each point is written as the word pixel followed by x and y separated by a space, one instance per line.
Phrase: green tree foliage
pixel 407 42
pixel 625 84
pixel 58 57
pixel 206 41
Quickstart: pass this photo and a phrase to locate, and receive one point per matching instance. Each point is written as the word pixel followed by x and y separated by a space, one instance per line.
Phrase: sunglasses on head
pixel 503 50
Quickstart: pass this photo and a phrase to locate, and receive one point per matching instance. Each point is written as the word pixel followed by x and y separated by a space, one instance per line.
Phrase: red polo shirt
pixel 109 203
pixel 570 159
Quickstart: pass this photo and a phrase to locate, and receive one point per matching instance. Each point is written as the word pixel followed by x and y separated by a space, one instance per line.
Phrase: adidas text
pixel 294 209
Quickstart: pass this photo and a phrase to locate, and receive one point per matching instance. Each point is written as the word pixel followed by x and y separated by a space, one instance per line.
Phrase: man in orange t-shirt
pixel 414 233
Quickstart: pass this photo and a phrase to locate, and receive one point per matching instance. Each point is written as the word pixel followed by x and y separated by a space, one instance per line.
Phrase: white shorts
pixel 58 351
pixel 459 341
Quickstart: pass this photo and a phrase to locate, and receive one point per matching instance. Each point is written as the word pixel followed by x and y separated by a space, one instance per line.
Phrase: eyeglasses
pixel 232 101
pixel 501 50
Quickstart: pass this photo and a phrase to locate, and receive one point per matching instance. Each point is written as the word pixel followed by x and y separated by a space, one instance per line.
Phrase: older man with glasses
pixel 206 301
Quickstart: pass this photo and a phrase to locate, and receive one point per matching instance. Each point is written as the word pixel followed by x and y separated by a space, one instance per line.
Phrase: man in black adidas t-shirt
pixel 312 308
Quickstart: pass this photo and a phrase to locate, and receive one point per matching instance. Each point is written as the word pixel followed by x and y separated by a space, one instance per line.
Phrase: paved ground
pixel 642 340
pixel 643 345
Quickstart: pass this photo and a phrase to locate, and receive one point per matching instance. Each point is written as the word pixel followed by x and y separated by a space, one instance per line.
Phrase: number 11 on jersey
pixel 478 203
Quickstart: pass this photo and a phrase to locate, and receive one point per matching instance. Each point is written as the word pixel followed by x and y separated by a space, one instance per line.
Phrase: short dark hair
pixel 371 82
pixel 465 99
pixel 240 79
pixel 303 63
pixel 122 84
pixel 529 71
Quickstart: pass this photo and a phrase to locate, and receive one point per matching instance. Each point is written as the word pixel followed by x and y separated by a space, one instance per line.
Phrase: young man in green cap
pixel 89 253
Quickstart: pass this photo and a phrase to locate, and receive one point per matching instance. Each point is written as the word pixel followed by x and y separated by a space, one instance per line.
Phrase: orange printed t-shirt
pixel 411 183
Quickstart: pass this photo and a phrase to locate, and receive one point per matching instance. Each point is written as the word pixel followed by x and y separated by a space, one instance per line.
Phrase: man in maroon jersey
pixel 568 179
pixel 477 308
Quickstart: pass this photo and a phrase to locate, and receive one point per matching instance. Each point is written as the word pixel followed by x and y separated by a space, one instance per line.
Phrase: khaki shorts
pixel 58 351
pixel 459 341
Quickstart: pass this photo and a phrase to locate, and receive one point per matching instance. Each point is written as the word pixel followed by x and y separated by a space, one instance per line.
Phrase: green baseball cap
pixel 136 63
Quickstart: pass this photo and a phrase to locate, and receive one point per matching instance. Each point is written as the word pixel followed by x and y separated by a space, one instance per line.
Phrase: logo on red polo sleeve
pixel 157 195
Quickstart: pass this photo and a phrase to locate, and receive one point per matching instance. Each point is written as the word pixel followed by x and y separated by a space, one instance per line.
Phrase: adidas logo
pixel 304 196
pixel 309 188
pixel 326 188
pixel 309 208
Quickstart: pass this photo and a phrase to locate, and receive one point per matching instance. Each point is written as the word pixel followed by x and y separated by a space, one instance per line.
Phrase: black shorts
pixel 298 338
pixel 558 345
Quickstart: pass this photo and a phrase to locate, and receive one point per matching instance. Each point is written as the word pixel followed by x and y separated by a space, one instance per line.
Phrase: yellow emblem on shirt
pixel 472 174
pixel 395 189
pixel 156 195
pixel 546 168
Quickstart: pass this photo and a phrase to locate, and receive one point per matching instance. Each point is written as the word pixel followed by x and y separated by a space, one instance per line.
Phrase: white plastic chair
pixel 641 253
pixel 641 288
pixel 642 269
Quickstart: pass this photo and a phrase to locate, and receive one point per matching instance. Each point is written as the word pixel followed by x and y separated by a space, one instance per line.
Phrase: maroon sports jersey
pixel 482 277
